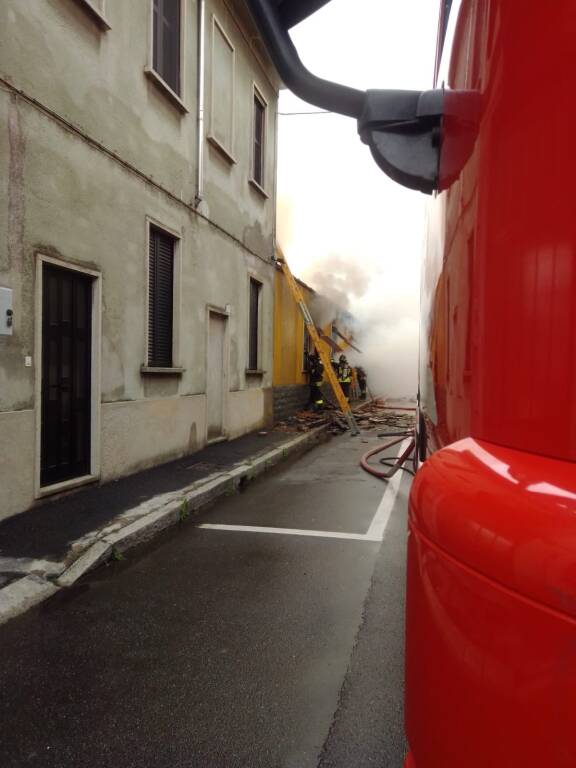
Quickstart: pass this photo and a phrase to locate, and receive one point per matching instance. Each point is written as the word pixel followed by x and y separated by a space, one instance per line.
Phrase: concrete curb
pixel 17 597
pixel 142 523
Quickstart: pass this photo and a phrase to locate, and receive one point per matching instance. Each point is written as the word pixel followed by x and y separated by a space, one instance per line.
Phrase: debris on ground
pixel 384 415
pixel 304 421
pixel 374 414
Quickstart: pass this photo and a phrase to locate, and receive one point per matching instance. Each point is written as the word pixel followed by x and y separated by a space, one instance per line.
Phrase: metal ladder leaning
pixel 320 348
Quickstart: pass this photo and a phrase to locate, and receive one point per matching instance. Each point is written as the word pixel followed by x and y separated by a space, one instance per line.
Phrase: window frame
pixel 177 99
pixel 258 96
pixel 226 152
pixel 445 9
pixel 97 14
pixel 446 18
pixel 176 236
pixel 250 369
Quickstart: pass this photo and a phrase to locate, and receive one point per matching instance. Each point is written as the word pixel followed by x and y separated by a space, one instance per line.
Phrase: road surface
pixel 270 638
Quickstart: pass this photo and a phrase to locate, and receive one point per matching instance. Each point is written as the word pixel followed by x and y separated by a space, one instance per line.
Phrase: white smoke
pixel 347 230
pixel 379 290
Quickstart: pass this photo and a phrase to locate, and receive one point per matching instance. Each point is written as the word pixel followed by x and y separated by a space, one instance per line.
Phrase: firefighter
pixel 344 376
pixel 362 381
pixel 316 374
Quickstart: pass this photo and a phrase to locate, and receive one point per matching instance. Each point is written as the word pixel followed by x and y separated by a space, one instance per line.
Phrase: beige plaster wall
pixel 16 462
pixel 246 412
pixel 54 52
pixel 141 434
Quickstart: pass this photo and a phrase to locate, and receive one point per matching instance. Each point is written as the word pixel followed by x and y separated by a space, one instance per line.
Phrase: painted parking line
pixel 382 517
pixel 375 533
pixel 287 531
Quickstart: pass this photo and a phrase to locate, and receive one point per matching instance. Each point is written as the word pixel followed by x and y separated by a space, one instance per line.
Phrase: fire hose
pixel 394 465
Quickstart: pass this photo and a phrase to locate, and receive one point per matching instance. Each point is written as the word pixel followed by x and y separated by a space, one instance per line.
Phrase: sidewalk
pixel 55 543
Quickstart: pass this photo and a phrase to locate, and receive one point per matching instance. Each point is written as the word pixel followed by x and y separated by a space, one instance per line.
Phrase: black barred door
pixel 66 374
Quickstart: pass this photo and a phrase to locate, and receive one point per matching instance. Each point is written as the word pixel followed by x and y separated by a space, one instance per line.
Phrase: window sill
pixel 254 184
pixel 96 14
pixel 254 372
pixel 222 149
pixel 153 370
pixel 163 86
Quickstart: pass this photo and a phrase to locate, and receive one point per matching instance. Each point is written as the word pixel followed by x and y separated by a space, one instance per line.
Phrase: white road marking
pixel 287 531
pixel 381 519
pixel 375 533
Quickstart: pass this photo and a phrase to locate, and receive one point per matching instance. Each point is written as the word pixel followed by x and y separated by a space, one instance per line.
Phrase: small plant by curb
pixel 184 512
pixel 116 555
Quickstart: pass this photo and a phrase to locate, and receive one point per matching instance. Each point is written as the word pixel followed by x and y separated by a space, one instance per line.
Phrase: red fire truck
pixel 491 619
pixel 491 601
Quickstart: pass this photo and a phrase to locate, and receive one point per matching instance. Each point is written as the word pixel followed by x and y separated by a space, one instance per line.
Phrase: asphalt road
pixel 228 647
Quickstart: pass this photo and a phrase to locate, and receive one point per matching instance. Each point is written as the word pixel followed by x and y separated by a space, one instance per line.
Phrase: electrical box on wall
pixel 6 312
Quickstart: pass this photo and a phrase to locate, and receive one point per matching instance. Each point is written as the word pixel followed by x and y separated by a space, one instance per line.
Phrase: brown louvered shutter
pixel 255 287
pixel 160 299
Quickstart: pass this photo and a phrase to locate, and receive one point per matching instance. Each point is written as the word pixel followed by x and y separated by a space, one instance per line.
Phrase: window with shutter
pixel 221 130
pixel 254 325
pixel 166 41
pixel 160 298
pixel 258 139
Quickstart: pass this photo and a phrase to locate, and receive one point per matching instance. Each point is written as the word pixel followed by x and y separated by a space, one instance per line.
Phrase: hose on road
pixel 394 464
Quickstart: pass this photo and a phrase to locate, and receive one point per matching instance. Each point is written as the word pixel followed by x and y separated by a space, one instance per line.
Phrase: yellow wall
pixel 289 334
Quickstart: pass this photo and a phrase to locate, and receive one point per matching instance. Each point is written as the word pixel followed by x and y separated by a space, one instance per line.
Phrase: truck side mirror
pixel 403 129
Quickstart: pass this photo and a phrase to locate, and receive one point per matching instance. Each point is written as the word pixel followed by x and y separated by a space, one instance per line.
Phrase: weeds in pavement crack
pixel 184 513
pixel 116 555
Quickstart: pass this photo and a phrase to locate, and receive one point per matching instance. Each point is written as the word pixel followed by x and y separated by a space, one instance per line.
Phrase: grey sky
pixel 333 199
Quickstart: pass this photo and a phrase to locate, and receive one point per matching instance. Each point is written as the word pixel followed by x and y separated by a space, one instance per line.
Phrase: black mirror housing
pixel 403 131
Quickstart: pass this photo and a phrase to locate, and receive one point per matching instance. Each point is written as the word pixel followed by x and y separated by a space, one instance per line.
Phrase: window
pixel 166 41
pixel 445 8
pixel 258 139
pixel 254 325
pixel 222 92
pixel 160 298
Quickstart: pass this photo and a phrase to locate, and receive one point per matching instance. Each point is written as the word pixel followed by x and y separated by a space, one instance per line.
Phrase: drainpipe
pixel 200 94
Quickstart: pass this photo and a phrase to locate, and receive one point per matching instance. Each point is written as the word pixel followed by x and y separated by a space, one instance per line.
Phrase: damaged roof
pixel 292 12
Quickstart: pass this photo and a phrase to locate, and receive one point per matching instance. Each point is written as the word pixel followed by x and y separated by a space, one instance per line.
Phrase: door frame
pixel 224 312
pixel 95 375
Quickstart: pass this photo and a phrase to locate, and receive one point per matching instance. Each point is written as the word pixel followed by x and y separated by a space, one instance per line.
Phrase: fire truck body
pixel 491 617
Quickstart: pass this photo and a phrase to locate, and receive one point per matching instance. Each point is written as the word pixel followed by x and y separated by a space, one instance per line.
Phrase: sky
pixel 346 229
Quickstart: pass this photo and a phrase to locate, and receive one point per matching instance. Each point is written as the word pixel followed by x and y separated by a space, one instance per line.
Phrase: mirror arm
pixel 315 90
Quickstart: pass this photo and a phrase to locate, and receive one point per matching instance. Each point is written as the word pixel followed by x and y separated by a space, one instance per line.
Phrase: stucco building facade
pixel 137 197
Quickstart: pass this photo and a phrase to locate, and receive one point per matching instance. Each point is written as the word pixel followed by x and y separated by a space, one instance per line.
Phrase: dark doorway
pixel 66 374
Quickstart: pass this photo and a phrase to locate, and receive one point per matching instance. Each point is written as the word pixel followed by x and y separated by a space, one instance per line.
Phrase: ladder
pixel 320 347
